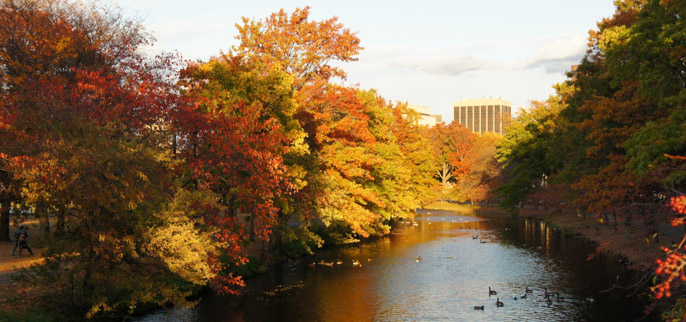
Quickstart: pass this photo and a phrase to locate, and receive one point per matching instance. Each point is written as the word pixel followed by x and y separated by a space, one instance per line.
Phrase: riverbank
pixel 607 239
pixel 627 241
pixel 436 270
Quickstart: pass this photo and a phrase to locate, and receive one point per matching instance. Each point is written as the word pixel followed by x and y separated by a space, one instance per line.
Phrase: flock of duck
pixel 355 262
pixel 548 296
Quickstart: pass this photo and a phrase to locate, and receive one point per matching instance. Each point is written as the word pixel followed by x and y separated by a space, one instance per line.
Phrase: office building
pixel 425 117
pixel 483 115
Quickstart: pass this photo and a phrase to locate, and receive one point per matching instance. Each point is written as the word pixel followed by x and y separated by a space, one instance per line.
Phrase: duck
pixel 548 300
pixel 482 241
pixel 491 292
pixel 498 303
pixel 330 264
pixel 524 296
pixel 479 308
pixel 475 237
pixel 339 262
pixel 515 298
pixel 356 262
pixel 527 290
pixel 419 259
pixel 559 298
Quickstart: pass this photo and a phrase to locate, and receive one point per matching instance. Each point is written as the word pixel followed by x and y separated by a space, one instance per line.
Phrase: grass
pixel 468 210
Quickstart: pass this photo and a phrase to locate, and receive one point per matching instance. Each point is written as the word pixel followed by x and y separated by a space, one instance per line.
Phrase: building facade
pixel 483 115
pixel 426 119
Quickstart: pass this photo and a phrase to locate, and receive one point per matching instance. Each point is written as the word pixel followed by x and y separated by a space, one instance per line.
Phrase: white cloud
pixel 192 28
pixel 558 55
pixel 452 65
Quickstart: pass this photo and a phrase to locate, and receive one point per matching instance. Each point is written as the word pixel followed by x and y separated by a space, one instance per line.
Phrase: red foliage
pixel 234 150
pixel 671 269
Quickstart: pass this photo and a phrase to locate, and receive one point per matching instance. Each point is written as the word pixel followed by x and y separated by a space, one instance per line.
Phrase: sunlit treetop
pixel 302 47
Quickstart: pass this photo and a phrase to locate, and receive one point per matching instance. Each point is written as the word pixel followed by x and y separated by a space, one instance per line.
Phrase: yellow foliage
pixel 184 250
pixel 183 242
pixel 613 36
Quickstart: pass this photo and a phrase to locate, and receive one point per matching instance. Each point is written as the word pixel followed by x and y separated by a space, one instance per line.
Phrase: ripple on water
pixel 452 277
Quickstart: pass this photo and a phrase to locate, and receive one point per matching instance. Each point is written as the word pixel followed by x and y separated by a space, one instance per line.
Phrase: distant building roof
pixel 482 101
pixel 425 115
pixel 424 110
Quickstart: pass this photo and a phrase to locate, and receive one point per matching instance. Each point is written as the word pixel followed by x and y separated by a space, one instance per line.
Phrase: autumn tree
pixel 616 140
pixel 301 47
pixel 419 159
pixel 338 183
pixel 533 148
pixel 234 136
pixel 478 181
pixel 450 144
pixel 84 118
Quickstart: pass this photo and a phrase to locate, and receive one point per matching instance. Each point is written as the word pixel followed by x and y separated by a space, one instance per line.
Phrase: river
pixel 439 270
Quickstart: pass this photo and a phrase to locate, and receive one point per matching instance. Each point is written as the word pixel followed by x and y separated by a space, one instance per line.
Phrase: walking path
pixel 9 263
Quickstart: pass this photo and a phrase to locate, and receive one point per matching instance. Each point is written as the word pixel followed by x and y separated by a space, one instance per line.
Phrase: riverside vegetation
pixel 153 176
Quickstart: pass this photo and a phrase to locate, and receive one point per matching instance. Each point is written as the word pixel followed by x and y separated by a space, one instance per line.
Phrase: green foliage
pixel 647 148
pixel 300 242
pixel 252 267
pixel 676 313
pixel 525 151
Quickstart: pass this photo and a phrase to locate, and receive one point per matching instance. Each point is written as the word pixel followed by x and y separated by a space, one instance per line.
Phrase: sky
pixel 430 53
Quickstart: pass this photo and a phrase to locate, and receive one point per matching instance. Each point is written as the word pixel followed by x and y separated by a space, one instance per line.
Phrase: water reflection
pixel 452 277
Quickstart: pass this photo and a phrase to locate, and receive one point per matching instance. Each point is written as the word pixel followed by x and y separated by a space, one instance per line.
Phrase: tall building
pixel 425 115
pixel 483 115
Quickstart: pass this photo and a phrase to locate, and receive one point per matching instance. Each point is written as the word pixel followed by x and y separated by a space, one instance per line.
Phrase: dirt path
pixel 10 264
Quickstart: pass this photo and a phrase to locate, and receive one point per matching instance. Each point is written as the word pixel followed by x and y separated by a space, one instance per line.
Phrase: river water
pixel 439 270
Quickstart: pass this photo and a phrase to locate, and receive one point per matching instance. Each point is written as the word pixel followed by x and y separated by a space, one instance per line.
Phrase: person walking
pixel 20 241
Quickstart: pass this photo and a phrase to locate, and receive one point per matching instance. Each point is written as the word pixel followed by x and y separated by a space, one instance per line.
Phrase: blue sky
pixel 429 53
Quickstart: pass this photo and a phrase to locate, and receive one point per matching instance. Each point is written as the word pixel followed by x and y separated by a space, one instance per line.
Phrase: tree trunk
pixel 445 174
pixel 4 222
pixel 251 236
pixel 59 226
pixel 43 219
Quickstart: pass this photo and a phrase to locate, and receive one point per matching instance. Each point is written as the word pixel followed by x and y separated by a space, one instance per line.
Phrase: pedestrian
pixel 20 241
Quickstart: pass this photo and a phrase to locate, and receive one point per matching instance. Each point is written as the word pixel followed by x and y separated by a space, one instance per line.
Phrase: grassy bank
pixel 467 210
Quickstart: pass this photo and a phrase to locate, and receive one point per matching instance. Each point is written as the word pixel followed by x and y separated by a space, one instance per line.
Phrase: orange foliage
pixel 301 47
pixel 461 141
